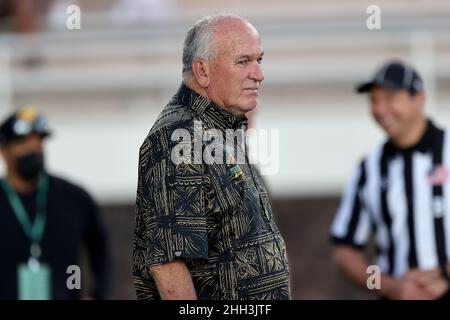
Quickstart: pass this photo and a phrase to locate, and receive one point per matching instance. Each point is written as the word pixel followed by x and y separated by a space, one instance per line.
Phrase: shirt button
pixel 230 231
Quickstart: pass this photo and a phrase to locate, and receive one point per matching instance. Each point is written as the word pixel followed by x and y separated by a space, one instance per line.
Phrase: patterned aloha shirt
pixel 215 216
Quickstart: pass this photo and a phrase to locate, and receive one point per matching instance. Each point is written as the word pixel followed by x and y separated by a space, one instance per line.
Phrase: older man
pixel 205 229
pixel 401 192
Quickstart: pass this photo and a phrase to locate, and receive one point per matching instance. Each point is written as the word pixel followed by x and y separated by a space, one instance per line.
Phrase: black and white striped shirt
pixel 402 197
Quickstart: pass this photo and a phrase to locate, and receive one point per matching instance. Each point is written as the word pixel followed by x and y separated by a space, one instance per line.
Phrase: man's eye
pixel 243 62
pixel 260 60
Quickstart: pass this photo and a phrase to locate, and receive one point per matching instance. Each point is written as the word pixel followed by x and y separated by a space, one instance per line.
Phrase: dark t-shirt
pixel 72 220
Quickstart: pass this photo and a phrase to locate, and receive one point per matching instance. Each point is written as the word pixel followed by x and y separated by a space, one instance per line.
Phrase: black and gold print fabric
pixel 217 217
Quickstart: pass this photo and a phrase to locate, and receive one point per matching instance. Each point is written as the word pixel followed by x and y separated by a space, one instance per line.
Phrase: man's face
pixel 20 147
pixel 396 111
pixel 235 72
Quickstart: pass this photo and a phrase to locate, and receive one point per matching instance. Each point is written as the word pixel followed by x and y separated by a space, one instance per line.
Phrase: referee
pixel 399 194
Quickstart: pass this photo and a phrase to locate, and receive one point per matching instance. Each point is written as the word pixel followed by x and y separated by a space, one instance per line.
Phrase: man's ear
pixel 200 69
pixel 419 99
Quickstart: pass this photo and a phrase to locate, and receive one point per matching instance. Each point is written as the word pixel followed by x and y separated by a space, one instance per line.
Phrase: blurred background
pixel 103 86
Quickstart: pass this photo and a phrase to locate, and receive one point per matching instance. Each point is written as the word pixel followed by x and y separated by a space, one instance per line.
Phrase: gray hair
pixel 199 42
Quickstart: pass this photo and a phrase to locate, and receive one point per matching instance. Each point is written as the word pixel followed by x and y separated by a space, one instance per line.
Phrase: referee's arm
pixel 353 265
pixel 350 232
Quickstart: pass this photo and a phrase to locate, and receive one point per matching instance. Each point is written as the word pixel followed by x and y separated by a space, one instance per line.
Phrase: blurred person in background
pixel 206 230
pixel 400 194
pixel 25 17
pixel 45 220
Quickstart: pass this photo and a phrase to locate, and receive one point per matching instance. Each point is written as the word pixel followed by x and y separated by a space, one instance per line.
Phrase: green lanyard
pixel 34 231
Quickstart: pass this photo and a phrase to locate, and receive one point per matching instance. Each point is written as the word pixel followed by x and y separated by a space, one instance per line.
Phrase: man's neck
pixel 414 135
pixel 20 185
pixel 194 86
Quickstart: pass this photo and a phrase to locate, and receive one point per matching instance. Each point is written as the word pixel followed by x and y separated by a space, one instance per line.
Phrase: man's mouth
pixel 255 90
pixel 386 122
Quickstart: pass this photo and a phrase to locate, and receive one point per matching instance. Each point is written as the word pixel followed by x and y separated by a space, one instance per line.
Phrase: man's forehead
pixel 234 27
pixel 247 52
pixel 239 43
pixel 385 90
pixel 242 51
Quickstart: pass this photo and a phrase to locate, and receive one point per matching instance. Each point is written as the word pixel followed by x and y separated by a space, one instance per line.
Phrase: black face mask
pixel 30 165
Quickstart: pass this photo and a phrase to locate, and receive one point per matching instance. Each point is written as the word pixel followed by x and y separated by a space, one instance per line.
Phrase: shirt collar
pixel 424 145
pixel 208 108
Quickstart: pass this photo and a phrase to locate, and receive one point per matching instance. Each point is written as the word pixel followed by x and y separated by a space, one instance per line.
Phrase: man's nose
pixel 256 73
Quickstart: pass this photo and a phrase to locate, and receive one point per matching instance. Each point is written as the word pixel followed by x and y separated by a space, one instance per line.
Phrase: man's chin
pixel 390 132
pixel 243 108
pixel 250 106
